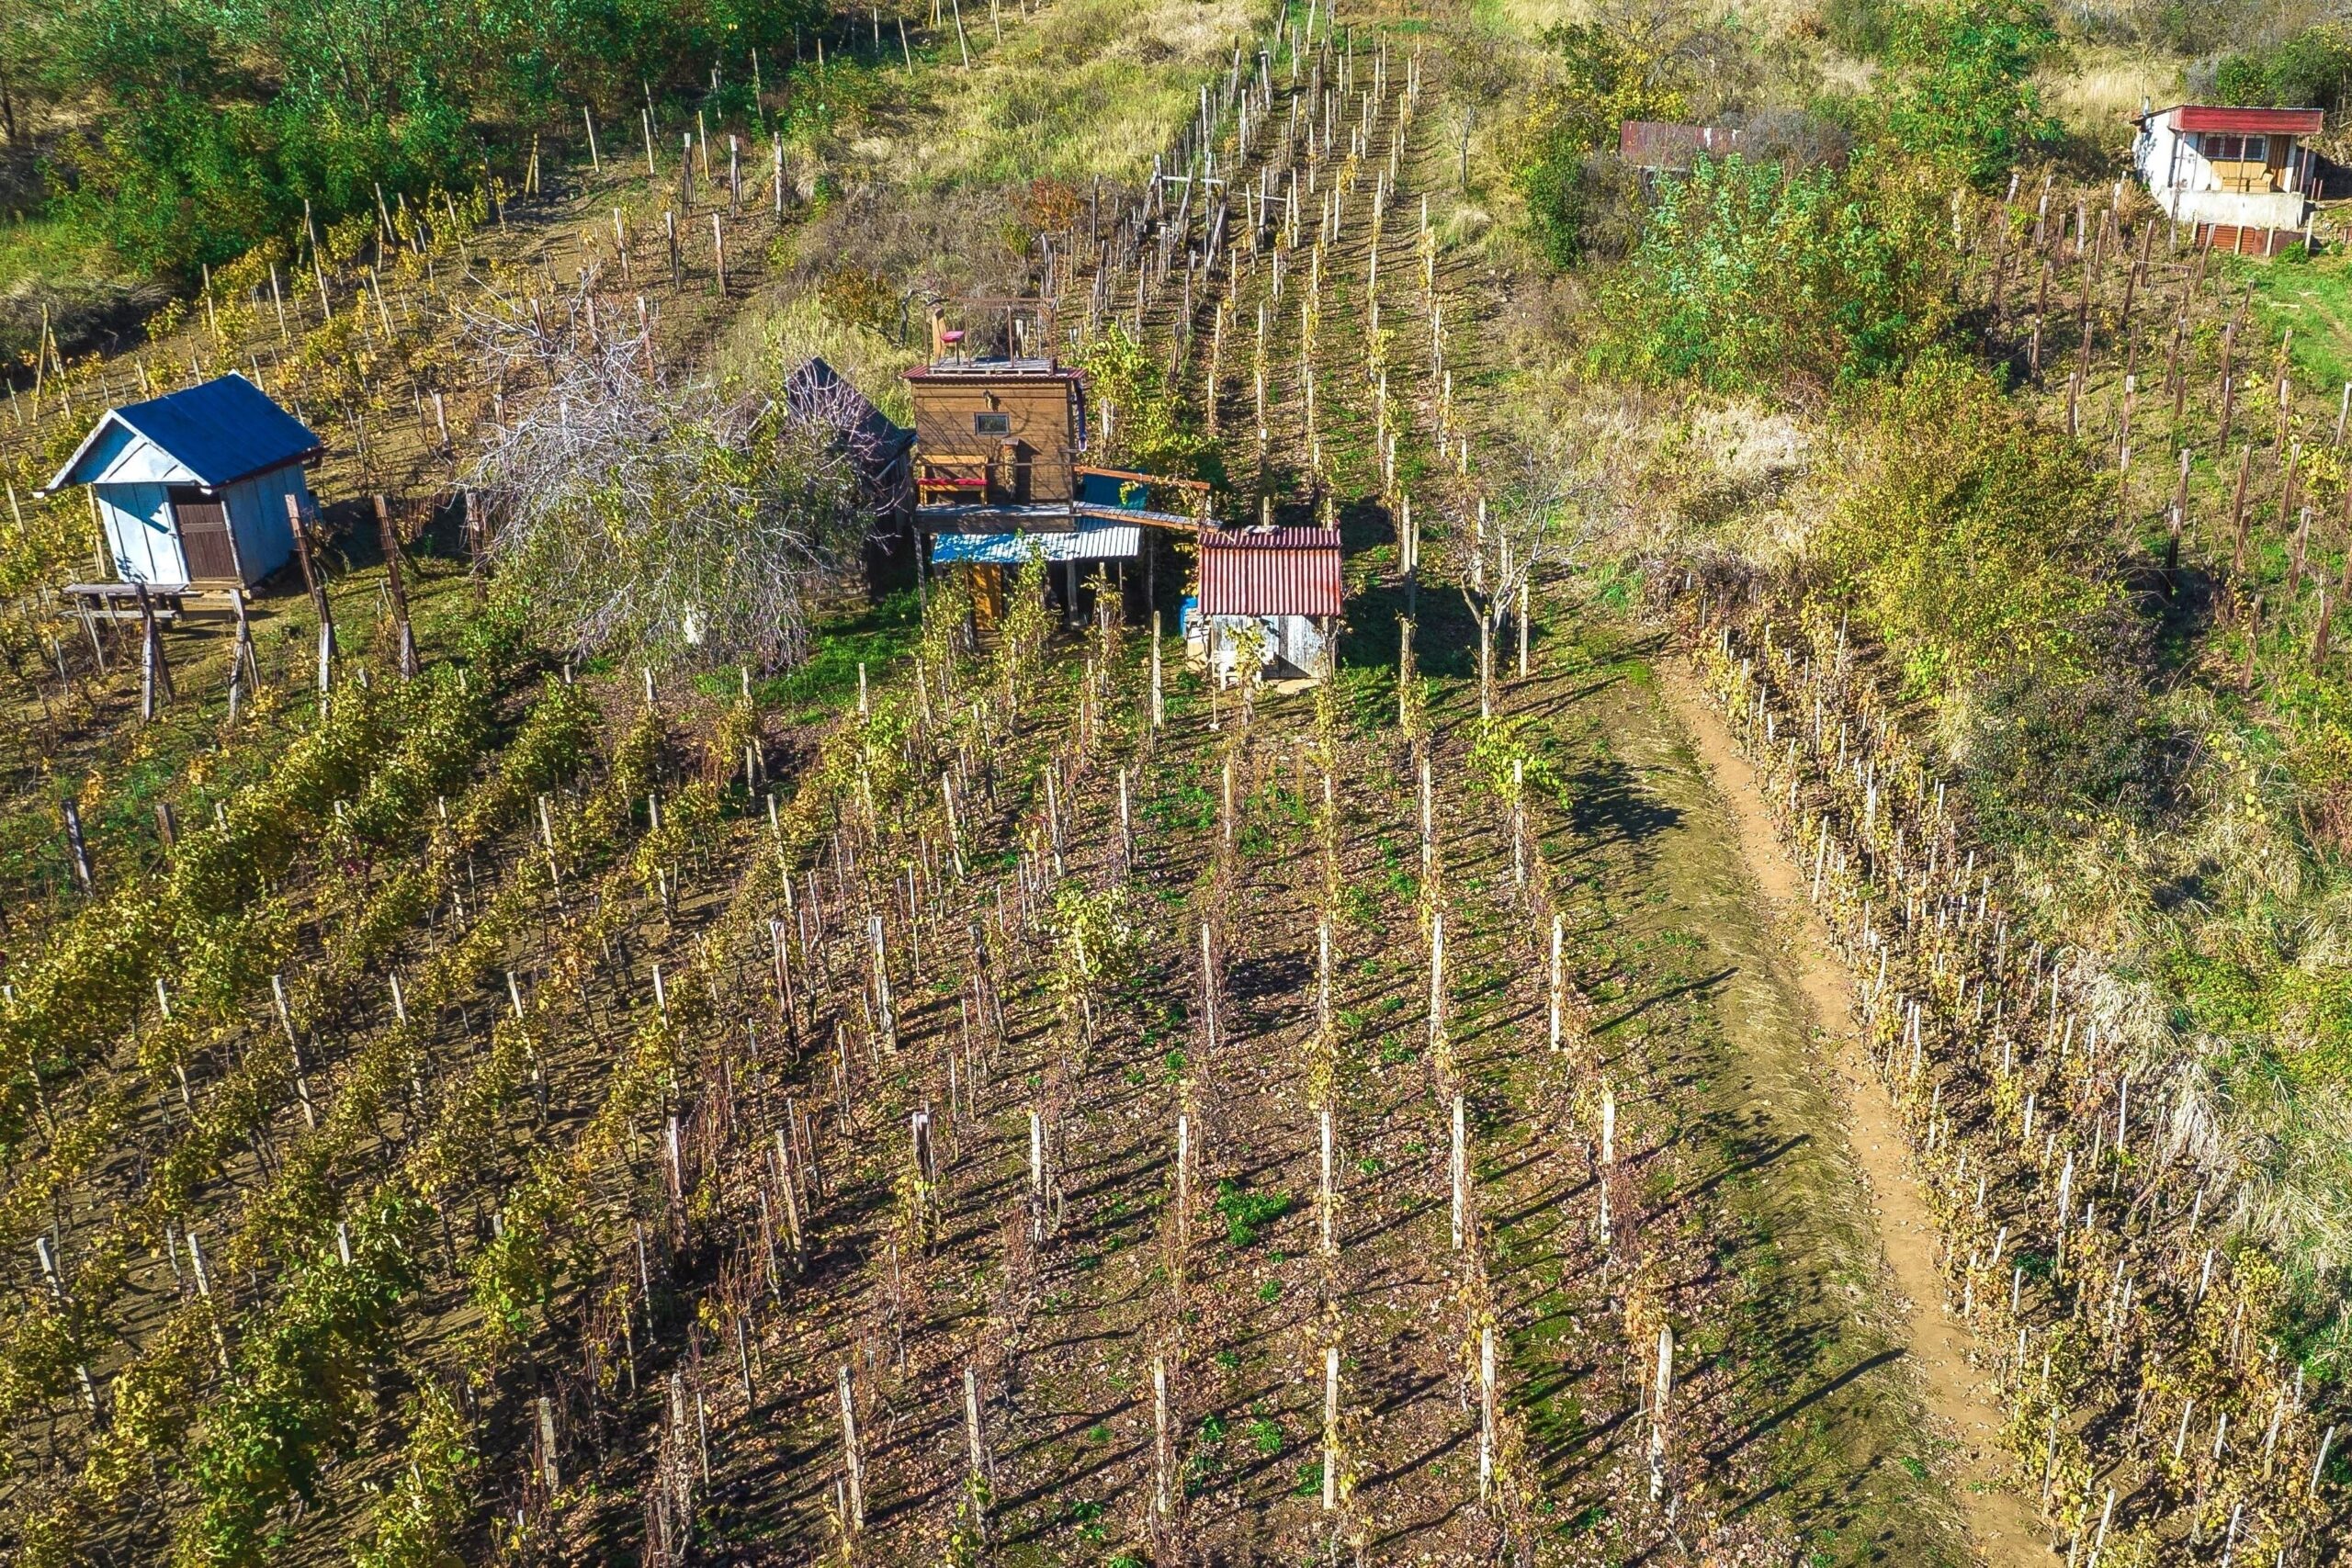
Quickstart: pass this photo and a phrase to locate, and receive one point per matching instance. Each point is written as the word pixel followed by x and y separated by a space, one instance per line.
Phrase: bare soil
pixel 1934 1352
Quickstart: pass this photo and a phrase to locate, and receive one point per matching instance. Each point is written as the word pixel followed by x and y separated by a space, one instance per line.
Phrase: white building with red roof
pixel 2241 177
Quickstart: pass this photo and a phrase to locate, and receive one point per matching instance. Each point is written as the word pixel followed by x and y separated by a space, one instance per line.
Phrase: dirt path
pixel 2000 1524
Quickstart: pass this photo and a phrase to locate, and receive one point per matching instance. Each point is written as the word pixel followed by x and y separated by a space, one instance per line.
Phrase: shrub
pixel 1752 277
pixel 2057 759
pixel 1861 28
pixel 1963 95
pixel 2311 70
pixel 1972 542
pixel 1152 429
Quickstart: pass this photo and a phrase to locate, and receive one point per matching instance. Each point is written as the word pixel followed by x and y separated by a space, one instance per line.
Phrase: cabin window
pixel 2227 147
pixel 991 425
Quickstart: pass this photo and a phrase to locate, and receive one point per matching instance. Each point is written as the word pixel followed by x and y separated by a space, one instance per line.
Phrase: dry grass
pixel 1086 87
pixel 2095 89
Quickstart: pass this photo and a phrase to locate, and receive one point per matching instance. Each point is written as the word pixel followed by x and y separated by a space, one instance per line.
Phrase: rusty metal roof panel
pixel 1280 571
pixel 2253 122
pixel 1665 144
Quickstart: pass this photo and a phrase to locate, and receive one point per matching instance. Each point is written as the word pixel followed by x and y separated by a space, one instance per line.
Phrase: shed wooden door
pixel 202 523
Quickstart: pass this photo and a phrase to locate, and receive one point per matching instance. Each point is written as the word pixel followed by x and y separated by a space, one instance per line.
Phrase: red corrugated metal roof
pixel 1283 572
pixel 2252 122
pixel 1668 144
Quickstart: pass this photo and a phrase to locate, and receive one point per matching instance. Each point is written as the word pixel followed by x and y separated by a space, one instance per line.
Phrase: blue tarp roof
pixel 223 431
pixel 1113 542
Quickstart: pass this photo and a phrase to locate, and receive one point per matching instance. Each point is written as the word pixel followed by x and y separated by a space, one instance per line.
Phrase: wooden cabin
pixel 2239 179
pixel 1001 472
pixel 1000 434
pixel 191 488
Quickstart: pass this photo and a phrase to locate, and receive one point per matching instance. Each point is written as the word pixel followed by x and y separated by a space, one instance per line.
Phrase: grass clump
pixel 1249 1214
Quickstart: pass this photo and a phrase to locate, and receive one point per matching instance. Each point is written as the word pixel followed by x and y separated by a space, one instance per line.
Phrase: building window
pixel 2227 147
pixel 991 425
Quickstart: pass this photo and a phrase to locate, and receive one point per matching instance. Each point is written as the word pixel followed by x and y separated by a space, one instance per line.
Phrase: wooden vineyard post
pixel 241 654
pixel 2238 515
pixel 1127 827
pixel 2229 383
pixel 1036 1176
pixel 1438 1053
pixel 1323 1195
pixel 854 1517
pixel 1183 1202
pixel 310 583
pixel 1405 674
pixel 2175 525
pixel 791 1190
pixel 476 550
pixel 399 592
pixel 979 1454
pixel 80 848
pixel 1608 1154
pixel 154 670
pixel 1159 707
pixel 1330 1427
pixel 547 1446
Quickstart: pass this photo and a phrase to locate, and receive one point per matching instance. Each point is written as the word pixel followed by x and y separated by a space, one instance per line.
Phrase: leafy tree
pixel 1861 28
pixel 1963 95
pixel 668 523
pixel 2311 70
pixel 1607 72
pixel 1149 428
pixel 216 123
pixel 1753 278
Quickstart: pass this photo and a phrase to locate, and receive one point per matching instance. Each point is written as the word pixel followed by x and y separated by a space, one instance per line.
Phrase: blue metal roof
pixel 1113 542
pixel 223 431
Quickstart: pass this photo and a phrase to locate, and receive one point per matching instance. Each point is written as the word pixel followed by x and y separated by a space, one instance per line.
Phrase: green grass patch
pixel 876 636
pixel 1248 1214
pixel 2310 296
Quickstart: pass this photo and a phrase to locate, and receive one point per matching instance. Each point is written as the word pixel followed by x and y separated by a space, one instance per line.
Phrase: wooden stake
pixel 400 594
pixel 852 1459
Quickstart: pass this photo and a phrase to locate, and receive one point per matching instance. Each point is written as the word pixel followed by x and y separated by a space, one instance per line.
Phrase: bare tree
pixel 667 520
pixel 1509 542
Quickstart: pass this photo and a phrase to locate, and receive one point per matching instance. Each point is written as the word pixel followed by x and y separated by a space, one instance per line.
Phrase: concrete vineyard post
pixel 1330 1427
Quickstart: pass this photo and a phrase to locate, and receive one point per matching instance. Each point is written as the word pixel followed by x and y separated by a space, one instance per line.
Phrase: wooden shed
pixel 1658 146
pixel 1278 587
pixel 1000 432
pixel 879 452
pixel 191 488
